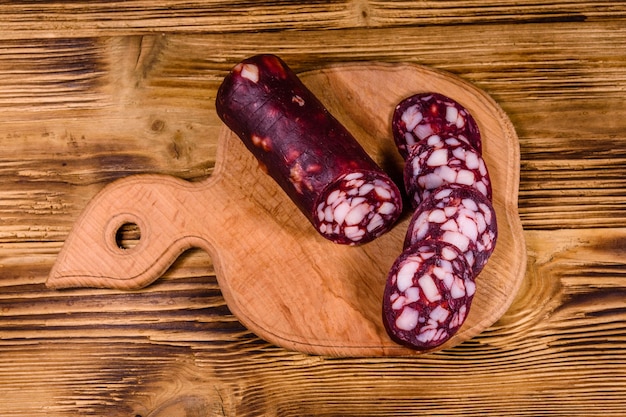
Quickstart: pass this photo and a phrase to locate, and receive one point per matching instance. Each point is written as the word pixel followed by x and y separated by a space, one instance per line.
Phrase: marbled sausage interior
pixel 428 294
pixel 437 161
pixel 423 115
pixel 459 215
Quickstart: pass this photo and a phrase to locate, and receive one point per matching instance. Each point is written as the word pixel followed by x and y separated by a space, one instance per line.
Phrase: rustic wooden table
pixel 95 91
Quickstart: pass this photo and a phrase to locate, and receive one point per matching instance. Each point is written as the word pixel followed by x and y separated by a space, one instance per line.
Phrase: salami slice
pixel 461 216
pixel 347 197
pixel 428 294
pixel 426 114
pixel 436 161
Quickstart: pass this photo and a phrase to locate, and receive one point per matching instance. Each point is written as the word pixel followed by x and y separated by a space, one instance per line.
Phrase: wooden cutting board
pixel 280 278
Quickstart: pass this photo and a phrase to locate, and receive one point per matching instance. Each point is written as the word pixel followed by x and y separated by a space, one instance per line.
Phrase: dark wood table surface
pixel 93 91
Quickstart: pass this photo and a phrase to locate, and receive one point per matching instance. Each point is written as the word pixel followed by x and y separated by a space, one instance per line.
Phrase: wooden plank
pixel 28 19
pixel 530 62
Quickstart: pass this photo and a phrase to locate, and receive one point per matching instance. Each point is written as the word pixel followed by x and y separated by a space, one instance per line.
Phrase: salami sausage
pixel 461 216
pixel 453 231
pixel 428 294
pixel 347 197
pixel 436 161
pixel 422 115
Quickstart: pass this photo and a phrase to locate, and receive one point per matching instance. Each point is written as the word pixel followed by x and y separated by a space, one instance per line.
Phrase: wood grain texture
pixel 28 18
pixel 86 99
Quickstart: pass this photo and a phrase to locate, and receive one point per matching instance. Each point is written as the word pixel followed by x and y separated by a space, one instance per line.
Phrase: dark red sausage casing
pixel 428 294
pixel 347 197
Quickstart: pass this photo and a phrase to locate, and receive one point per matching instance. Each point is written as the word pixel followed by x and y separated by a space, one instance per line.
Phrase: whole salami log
pixel 428 294
pixel 426 114
pixel 437 161
pixel 461 216
pixel 347 197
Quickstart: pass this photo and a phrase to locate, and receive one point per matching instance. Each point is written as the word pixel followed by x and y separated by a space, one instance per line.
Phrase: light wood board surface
pixel 92 92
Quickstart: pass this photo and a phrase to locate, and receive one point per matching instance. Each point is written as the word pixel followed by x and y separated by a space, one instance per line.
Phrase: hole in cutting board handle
pixel 128 235
pixel 125 232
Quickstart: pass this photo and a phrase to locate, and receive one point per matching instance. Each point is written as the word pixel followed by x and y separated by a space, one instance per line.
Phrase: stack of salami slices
pixel 453 230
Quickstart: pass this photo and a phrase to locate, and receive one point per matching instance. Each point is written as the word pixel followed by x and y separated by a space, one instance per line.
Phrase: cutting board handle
pixel 167 212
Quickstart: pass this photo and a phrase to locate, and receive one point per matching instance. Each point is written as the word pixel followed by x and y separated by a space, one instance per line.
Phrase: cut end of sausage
pixel 428 295
pixel 426 114
pixel 357 208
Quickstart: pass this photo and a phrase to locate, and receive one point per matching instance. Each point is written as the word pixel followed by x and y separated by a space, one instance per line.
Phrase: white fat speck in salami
pixel 442 161
pixel 463 217
pixel 428 294
pixel 347 197
pixel 423 115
